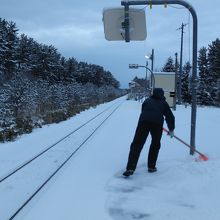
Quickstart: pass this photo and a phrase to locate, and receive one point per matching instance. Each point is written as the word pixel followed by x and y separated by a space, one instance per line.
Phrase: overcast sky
pixel 75 28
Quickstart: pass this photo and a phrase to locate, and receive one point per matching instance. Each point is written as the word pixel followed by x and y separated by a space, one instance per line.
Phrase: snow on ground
pixel 90 186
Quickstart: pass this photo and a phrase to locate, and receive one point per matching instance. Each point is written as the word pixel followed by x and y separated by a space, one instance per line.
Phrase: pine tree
pixel 204 84
pixel 19 95
pixel 25 53
pixel 186 95
pixel 169 66
pixel 11 52
pixel 214 67
pixel 3 33
pixel 71 65
pixel 39 86
pixel 8 48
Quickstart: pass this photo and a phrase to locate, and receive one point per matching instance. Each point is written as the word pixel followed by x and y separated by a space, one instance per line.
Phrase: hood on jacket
pixel 158 93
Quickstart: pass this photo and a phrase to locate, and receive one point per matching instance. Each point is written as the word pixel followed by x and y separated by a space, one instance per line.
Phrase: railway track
pixel 36 172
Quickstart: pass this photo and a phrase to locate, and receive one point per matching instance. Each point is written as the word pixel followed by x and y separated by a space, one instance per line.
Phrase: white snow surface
pixel 91 187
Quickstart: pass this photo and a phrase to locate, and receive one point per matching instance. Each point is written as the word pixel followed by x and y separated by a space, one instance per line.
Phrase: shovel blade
pixel 202 158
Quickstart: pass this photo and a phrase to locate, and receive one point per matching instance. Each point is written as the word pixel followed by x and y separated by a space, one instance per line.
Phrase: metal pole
pixel 126 24
pixel 194 54
pixel 194 79
pixel 152 67
pixel 146 69
pixel 152 60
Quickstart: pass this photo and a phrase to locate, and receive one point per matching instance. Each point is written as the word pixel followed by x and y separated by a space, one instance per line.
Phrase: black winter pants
pixel 142 131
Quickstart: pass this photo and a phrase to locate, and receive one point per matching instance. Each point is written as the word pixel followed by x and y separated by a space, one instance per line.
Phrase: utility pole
pixel 176 73
pixel 181 65
pixel 152 68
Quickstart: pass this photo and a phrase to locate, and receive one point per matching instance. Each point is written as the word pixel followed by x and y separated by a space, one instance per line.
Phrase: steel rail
pixel 65 161
pixel 51 146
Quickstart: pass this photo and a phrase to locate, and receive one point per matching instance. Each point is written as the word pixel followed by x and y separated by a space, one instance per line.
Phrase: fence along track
pixel 65 161
pixel 51 146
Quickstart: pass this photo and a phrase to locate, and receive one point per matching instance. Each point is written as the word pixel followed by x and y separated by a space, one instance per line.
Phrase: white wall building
pixel 167 81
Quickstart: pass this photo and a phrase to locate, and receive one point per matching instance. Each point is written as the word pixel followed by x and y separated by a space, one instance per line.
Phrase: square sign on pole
pixel 115 24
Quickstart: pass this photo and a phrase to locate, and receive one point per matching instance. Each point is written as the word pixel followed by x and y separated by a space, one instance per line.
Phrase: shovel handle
pixel 189 146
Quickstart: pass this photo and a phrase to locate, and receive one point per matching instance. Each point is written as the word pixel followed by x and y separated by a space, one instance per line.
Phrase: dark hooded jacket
pixel 155 108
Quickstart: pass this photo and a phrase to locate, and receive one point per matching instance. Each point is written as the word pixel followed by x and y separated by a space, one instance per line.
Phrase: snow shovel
pixel 201 156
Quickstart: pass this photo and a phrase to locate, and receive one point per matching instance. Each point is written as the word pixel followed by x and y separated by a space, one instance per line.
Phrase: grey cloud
pixel 75 28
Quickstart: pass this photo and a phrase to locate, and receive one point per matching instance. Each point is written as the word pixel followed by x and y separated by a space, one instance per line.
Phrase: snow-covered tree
pixel 25 53
pixel 8 48
pixel 204 83
pixel 169 66
pixel 214 67
pixel 47 64
pixel 40 86
pixel 185 90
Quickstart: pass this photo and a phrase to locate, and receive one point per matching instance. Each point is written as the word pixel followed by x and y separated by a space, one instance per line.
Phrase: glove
pixel 171 133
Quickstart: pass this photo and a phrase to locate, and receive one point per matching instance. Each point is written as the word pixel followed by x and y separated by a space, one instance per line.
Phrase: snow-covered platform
pixel 90 186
